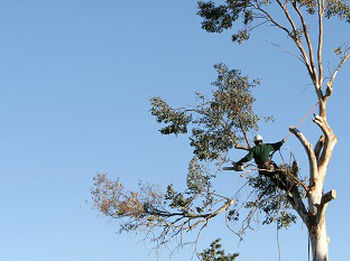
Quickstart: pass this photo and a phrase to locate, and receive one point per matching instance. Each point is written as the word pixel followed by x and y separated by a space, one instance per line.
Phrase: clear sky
pixel 75 82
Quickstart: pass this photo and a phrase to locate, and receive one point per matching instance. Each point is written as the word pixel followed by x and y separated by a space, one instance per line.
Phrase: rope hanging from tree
pixel 306 115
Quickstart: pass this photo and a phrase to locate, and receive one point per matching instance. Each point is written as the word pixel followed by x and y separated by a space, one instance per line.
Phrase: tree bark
pixel 317 200
pixel 317 227
pixel 319 242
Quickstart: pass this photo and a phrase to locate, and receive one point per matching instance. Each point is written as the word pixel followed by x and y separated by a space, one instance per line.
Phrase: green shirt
pixel 261 153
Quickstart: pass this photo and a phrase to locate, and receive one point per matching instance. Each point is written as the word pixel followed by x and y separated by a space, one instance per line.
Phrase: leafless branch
pixel 320 7
pixel 296 40
pixel 309 150
pixel 307 36
pixel 287 51
pixel 245 135
pixel 241 147
pixel 326 198
pixel 331 81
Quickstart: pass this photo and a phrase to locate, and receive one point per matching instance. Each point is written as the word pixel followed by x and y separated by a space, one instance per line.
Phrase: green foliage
pixel 217 18
pixel 310 5
pixel 215 253
pixel 272 198
pixel 148 208
pixel 197 197
pixel 271 201
pixel 217 122
pixel 338 8
pixel 197 180
pixel 177 121
pixel 222 15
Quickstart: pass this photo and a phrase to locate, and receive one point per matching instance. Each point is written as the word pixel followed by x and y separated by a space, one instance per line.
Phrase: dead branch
pixel 326 198
pixel 286 50
pixel 329 196
pixel 309 150
pixel 331 81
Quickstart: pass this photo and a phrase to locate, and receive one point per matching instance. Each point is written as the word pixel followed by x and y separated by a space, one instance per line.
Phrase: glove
pixel 238 166
pixel 239 163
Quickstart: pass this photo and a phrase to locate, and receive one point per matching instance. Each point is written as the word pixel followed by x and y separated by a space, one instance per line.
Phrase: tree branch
pixel 307 36
pixel 299 207
pixel 329 90
pixel 271 19
pixel 297 41
pixel 245 135
pixel 330 140
pixel 287 51
pixel 309 150
pixel 326 198
pixel 329 196
pixel 241 147
pixel 319 145
pixel 320 7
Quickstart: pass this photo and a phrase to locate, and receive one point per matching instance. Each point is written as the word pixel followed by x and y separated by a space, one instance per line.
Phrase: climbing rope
pixel 278 235
pixel 306 115
pixel 308 247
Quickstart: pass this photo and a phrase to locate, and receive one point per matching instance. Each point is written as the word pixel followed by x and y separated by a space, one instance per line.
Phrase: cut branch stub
pixel 329 196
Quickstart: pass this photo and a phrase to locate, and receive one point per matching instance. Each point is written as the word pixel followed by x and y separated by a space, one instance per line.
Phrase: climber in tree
pixel 261 153
pixel 262 157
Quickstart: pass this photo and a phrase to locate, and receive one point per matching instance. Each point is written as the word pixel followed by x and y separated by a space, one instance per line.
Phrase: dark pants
pixel 277 176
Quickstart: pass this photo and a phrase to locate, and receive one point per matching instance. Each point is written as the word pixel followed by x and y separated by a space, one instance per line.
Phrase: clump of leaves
pixel 216 253
pixel 272 202
pixel 218 122
pixel 111 198
pixel 176 121
pixel 219 16
pixel 338 8
pixel 147 209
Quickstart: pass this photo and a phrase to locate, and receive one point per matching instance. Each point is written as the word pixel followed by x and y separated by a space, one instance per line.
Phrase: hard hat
pixel 258 138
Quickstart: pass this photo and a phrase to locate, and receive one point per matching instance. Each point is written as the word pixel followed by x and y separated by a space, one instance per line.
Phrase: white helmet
pixel 258 138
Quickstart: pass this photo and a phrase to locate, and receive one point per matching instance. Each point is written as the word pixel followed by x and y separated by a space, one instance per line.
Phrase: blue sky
pixel 76 78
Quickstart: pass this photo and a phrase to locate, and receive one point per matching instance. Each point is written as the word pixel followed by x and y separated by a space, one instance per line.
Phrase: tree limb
pixel 307 36
pixel 309 150
pixel 331 81
pixel 320 7
pixel 329 196
pixel 319 145
pixel 241 147
pixel 299 207
pixel 297 41
pixel 329 143
pixel 245 135
pixel 326 198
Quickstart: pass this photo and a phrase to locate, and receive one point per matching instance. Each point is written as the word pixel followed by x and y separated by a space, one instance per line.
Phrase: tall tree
pixel 223 120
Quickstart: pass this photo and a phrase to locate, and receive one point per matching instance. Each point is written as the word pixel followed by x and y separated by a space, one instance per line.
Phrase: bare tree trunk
pixel 317 225
pixel 318 202
pixel 319 158
pixel 319 242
